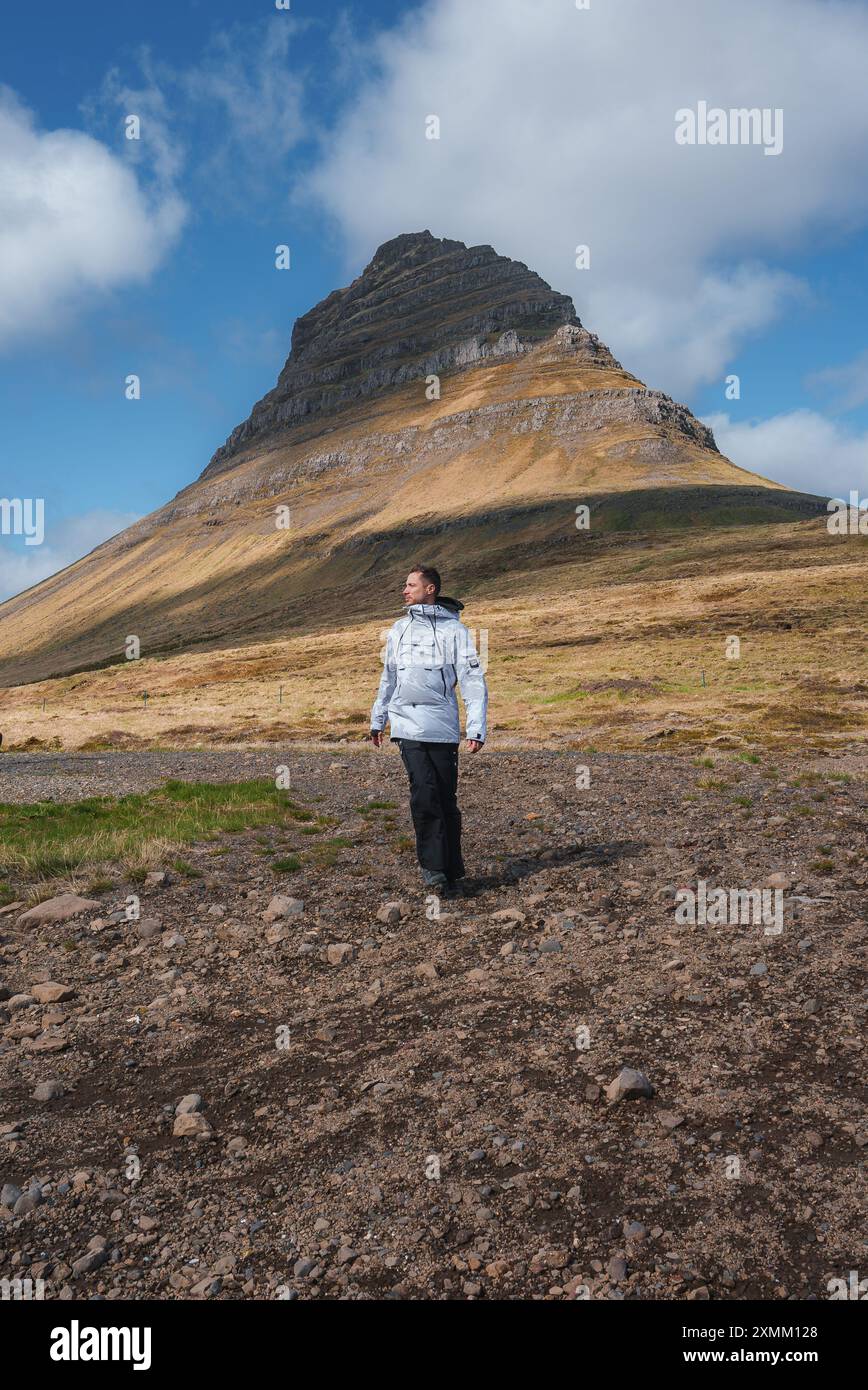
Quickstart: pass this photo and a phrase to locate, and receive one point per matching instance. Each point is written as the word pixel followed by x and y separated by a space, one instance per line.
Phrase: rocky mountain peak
pixel 420 244
pixel 422 305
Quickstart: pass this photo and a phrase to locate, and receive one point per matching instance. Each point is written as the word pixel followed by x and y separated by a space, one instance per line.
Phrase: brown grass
pixel 607 647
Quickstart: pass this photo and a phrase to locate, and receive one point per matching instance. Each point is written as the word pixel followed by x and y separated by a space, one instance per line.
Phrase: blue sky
pixel 260 127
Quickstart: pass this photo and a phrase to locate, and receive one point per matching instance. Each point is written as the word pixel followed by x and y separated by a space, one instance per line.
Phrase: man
pixel 427 653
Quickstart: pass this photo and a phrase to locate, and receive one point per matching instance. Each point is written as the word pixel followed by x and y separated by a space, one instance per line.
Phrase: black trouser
pixel 433 772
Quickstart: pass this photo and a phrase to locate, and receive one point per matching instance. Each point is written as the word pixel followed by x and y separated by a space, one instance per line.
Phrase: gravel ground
pixel 396 1103
pixel 26 777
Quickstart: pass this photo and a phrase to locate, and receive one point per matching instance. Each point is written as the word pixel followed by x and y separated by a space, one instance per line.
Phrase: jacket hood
pixel 443 608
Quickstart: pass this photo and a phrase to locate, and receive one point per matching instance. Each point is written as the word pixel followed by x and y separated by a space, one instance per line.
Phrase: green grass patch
pixel 184 869
pixel 99 885
pixel 321 824
pixel 577 693
pixel 138 831
pixel 325 854
pixel 290 865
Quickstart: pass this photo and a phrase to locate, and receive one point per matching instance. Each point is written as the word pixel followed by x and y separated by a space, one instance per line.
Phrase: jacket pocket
pixel 421 685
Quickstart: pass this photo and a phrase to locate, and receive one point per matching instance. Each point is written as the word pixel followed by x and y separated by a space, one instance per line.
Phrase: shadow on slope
pixel 332 584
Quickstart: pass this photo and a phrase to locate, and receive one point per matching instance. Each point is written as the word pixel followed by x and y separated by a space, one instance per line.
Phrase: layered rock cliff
pixel 423 305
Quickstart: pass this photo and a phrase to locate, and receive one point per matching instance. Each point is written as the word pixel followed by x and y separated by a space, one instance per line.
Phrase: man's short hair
pixel 429 574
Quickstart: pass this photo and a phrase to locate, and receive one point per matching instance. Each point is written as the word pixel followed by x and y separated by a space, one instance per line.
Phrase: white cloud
pixel 558 129
pixel 84 213
pixel 22 566
pixel 802 448
pixel 849 383
pixel 74 222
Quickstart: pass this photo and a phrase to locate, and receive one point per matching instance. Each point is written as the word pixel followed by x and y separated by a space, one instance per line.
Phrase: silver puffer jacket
pixel 428 652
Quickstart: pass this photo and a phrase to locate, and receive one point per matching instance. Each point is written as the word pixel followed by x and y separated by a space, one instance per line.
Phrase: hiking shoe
pixel 432 878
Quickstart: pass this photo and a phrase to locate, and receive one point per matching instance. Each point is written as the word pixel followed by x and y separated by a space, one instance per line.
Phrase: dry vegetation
pixel 607 644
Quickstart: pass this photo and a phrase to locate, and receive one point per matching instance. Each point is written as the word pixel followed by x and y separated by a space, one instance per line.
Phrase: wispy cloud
pixel 252 101
pixel 22 566
pixel 242 341
pixel 848 384
pixel 228 120
pixel 157 150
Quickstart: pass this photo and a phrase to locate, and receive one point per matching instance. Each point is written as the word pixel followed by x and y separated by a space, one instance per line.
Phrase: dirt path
pixel 400 1107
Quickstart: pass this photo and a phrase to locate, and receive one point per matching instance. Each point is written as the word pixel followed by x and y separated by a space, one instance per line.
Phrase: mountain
pixel 421 306
pixel 529 416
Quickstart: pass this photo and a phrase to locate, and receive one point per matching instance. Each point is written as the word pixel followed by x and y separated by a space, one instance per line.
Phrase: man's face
pixel 417 589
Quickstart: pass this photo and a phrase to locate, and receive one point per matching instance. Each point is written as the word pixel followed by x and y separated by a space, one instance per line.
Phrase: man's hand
pixel 376 738
pixel 474 745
